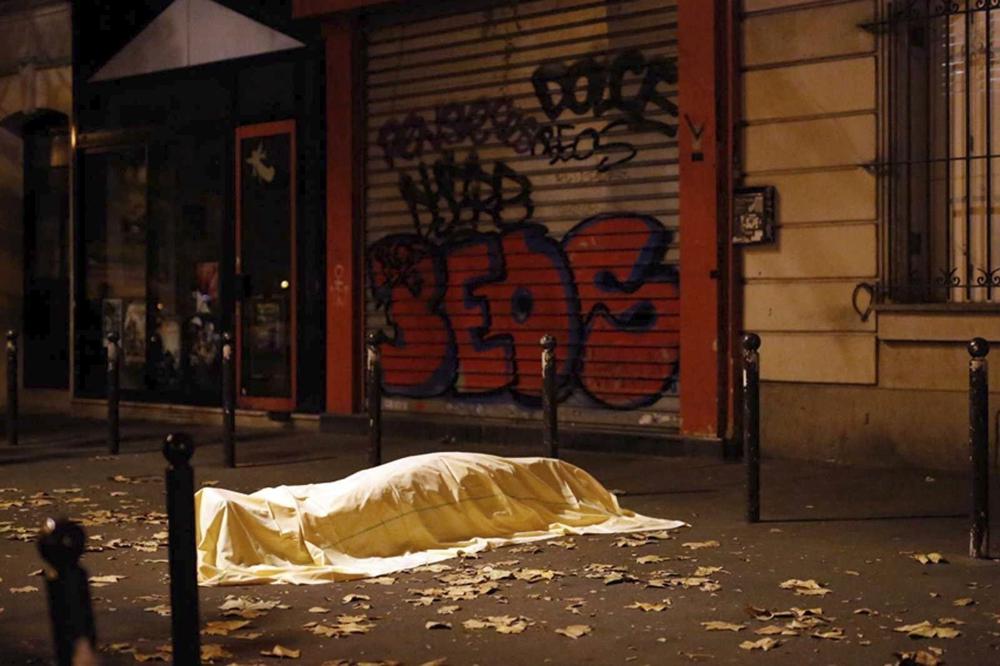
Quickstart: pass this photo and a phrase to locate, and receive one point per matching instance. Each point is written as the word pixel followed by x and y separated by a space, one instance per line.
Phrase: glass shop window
pixel 152 225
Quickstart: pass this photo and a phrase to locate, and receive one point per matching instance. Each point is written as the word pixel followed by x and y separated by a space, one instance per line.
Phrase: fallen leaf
pixel 437 624
pixel 160 609
pixel 502 624
pixel 568 544
pixel 223 627
pixel 318 610
pixel 381 580
pixel 212 651
pixel 575 631
pixel 448 610
pixel 248 635
pixel 774 630
pixel 535 575
pixel 102 581
pixel 764 644
pixel 23 590
pixel 918 658
pixel 650 608
pixel 651 559
pixel 716 625
pixel 964 601
pixel 805 587
pixel 348 598
pixel 142 657
pixel 698 545
pixel 281 652
pixel 833 634
pixel 930 558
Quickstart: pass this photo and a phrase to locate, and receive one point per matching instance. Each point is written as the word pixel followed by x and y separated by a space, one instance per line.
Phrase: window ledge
pixel 940 322
pixel 938 308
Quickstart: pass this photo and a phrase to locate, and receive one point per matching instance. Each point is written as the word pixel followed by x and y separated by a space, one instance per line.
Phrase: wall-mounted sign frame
pixel 266 270
pixel 754 215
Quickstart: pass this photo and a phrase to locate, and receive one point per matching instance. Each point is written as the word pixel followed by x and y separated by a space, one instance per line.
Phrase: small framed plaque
pixel 753 215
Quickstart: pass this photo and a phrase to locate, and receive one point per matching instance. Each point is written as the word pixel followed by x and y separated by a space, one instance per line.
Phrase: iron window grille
pixel 940 69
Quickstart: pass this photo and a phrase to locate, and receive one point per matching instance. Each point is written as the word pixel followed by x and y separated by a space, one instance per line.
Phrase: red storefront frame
pixel 708 282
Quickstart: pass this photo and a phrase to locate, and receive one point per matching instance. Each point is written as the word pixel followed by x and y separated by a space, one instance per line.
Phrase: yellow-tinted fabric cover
pixel 399 515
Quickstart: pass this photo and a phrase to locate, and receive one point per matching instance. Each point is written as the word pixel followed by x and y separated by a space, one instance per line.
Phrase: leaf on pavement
pixel 437 624
pixel 102 581
pixel 281 652
pixel 716 625
pixel 651 559
pixel 930 558
pixel 381 580
pixel 927 630
pixel 764 644
pixel 805 587
pixel 213 651
pixel 502 624
pixel 775 630
pixel 929 657
pixel 23 590
pixel 833 634
pixel 223 627
pixel 348 598
pixel 159 609
pixel 648 607
pixel 698 545
pixel 964 601
pixel 575 631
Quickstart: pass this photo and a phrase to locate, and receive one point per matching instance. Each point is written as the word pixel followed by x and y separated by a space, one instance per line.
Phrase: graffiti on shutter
pixel 530 191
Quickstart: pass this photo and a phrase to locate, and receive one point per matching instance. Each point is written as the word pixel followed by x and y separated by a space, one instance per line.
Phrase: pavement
pixel 856 533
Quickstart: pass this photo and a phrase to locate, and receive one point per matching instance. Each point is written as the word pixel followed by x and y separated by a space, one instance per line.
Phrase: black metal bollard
pixel 979 437
pixel 550 402
pixel 229 399
pixel 178 449
pixel 373 392
pixel 114 393
pixel 12 424
pixel 61 544
pixel 751 423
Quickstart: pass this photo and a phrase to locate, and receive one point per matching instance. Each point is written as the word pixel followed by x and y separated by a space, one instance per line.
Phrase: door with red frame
pixel 266 266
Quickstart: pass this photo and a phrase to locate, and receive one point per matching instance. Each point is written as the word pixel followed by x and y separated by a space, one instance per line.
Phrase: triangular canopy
pixel 193 32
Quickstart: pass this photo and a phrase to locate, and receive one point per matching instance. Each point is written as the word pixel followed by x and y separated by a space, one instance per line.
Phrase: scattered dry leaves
pixel 927 630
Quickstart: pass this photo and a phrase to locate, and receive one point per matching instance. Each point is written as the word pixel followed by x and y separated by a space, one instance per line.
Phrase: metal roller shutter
pixel 522 179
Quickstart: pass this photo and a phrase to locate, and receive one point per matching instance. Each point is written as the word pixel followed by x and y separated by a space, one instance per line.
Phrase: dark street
pixel 640 599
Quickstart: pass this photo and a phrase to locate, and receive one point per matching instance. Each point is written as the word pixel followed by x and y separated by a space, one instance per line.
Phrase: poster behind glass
pixel 151 227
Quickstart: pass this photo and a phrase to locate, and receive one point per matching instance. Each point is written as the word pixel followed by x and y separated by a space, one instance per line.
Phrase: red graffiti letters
pixel 465 316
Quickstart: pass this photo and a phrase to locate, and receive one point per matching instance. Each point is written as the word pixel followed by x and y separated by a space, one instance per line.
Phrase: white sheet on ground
pixel 402 514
